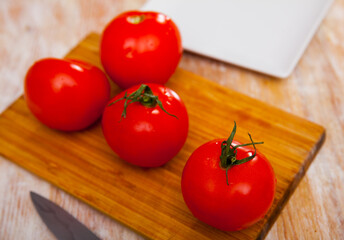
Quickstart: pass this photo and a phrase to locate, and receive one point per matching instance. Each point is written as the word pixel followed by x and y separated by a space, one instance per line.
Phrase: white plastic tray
pixel 267 36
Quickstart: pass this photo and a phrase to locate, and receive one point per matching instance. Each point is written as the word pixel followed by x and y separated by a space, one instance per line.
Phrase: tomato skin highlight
pixel 65 94
pixel 147 136
pixel 236 206
pixel 140 47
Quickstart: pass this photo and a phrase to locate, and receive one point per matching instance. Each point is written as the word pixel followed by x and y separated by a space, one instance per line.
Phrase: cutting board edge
pixel 82 200
pixel 260 102
pixel 292 186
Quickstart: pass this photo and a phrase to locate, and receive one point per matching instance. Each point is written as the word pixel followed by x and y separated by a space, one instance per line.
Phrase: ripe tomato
pixel 66 94
pixel 140 47
pixel 139 126
pixel 231 203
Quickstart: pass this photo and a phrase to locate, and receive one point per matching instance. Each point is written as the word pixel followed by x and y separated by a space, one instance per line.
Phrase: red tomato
pixel 140 47
pixel 231 206
pixel 146 135
pixel 66 94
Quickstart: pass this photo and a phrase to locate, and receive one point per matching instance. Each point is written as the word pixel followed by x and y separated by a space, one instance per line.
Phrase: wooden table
pixel 30 30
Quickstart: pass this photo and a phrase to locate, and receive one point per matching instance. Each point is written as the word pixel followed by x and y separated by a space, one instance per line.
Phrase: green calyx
pixel 136 19
pixel 228 156
pixel 143 95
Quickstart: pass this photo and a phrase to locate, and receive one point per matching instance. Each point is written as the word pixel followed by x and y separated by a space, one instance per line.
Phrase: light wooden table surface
pixel 30 30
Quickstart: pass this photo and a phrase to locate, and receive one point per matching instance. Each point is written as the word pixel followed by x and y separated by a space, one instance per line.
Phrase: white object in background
pixel 267 36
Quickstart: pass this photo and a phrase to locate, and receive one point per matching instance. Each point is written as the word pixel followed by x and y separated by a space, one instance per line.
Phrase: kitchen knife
pixel 63 225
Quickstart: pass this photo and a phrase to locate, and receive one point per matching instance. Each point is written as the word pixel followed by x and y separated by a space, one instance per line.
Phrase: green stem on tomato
pixel 228 156
pixel 136 19
pixel 145 96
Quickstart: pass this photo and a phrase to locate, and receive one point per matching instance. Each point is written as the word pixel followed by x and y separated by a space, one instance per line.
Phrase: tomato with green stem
pixel 228 185
pixel 146 125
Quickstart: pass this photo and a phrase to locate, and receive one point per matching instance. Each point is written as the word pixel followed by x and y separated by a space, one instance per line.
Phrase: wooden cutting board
pixel 149 200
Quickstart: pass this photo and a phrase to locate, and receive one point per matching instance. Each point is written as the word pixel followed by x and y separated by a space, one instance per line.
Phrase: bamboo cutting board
pixel 149 200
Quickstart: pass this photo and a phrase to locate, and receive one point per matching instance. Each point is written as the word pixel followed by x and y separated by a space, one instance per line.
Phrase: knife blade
pixel 63 225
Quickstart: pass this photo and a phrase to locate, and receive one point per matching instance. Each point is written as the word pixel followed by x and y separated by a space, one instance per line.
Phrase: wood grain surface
pixel 30 30
pixel 82 164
